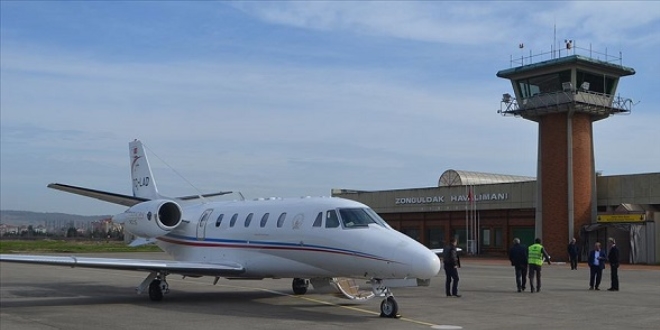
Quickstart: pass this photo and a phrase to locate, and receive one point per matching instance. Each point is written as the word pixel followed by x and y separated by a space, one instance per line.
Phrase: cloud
pixel 472 23
pixel 291 98
pixel 406 20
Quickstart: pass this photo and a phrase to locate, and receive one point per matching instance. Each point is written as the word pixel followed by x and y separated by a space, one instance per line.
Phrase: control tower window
pixel 549 83
pixel 589 82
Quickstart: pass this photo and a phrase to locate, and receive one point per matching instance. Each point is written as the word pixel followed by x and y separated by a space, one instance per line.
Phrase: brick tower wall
pixel 554 179
pixel 583 172
pixel 553 197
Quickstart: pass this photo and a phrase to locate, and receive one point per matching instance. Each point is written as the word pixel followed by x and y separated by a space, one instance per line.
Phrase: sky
pixel 296 98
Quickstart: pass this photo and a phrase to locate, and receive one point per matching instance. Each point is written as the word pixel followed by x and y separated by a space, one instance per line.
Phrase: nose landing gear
pixel 388 307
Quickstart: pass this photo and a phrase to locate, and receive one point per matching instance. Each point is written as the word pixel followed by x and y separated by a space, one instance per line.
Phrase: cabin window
pixel 319 220
pixel 219 220
pixel 232 222
pixel 264 219
pixel 355 217
pixel 331 219
pixel 280 220
pixel 248 219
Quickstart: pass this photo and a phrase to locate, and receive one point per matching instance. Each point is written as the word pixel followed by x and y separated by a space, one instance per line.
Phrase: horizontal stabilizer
pixel 105 196
pixel 192 197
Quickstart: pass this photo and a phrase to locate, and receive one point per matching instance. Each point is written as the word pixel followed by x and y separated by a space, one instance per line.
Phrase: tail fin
pixel 144 184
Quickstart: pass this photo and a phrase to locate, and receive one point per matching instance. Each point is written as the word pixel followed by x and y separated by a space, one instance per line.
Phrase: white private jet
pixel 328 242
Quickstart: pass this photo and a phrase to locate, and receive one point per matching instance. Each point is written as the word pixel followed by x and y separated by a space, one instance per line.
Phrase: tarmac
pixel 52 297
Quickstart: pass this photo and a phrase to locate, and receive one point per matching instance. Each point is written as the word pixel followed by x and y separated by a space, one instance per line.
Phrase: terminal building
pixel 566 199
pixel 497 208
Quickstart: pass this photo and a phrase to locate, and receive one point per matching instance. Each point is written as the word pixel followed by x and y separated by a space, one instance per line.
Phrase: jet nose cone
pixel 427 265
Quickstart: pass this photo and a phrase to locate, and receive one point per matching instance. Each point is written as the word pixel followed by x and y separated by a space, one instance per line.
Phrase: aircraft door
pixel 201 225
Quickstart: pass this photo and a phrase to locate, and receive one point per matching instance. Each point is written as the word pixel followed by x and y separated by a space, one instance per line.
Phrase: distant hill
pixel 10 217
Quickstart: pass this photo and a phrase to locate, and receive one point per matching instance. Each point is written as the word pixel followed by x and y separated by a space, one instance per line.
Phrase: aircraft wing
pixel 105 196
pixel 170 266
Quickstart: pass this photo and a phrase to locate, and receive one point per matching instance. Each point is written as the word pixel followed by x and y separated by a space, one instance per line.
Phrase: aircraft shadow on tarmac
pixel 213 303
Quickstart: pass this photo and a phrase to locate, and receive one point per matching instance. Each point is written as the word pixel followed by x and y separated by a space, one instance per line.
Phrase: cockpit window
pixel 331 219
pixel 378 219
pixel 356 217
pixel 319 220
pixel 359 217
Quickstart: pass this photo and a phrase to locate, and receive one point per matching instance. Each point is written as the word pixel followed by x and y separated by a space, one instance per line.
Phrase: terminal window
pixel 485 237
pixel 412 232
pixel 435 237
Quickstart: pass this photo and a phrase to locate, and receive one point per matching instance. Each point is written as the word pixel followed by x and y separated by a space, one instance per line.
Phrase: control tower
pixel 565 95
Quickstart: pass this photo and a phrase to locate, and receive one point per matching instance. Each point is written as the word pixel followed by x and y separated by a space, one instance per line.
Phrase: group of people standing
pixel 529 260
pixel 597 260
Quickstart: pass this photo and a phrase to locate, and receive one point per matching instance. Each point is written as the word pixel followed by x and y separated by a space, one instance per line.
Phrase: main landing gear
pixel 156 284
pixel 299 286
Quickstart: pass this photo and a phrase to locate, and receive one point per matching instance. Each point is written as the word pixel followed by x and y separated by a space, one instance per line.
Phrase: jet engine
pixel 151 219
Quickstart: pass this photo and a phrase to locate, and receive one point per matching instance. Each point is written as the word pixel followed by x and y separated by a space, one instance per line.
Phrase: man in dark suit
pixel 451 262
pixel 573 253
pixel 613 257
pixel 518 256
pixel 597 259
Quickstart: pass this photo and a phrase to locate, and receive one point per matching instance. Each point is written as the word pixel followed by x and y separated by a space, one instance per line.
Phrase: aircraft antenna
pixel 199 192
pixel 242 197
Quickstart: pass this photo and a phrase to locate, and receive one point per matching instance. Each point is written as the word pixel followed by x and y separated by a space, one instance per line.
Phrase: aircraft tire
pixel 389 307
pixel 155 292
pixel 299 286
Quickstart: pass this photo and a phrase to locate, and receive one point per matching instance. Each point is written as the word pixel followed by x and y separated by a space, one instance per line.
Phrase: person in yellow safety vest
pixel 536 254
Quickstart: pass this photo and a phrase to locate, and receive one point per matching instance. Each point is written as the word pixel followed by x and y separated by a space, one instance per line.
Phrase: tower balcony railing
pixel 597 104
pixel 570 49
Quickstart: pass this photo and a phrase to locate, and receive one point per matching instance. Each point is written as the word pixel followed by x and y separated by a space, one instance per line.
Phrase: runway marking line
pixel 356 309
pixel 323 302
